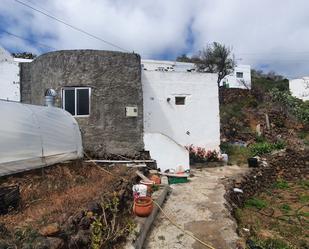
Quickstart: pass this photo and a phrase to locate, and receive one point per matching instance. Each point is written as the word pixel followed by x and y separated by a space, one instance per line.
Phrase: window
pixel 76 100
pixel 239 74
pixel 180 100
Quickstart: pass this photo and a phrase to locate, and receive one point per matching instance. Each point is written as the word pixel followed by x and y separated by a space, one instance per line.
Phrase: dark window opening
pixel 180 100
pixel 239 74
pixel 82 101
pixel 76 101
pixel 69 104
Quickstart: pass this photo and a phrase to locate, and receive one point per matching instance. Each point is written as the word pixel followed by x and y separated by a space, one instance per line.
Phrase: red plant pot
pixel 156 179
pixel 143 206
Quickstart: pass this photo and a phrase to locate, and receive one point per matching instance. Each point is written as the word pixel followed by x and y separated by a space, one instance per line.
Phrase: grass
pixel 270 244
pixel 285 208
pixel 279 220
pixel 256 203
pixel 281 184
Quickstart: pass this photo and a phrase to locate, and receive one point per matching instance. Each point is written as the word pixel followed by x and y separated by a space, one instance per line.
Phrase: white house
pixel 9 76
pixel 180 108
pixel 299 88
pixel 240 78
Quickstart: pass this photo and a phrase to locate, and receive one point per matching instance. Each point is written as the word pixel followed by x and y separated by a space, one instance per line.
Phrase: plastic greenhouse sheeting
pixel 36 136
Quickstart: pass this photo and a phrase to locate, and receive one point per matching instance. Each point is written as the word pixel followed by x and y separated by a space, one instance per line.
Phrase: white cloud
pixel 261 32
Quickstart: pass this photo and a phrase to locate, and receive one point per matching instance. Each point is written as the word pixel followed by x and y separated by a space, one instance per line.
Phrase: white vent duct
pixel 36 136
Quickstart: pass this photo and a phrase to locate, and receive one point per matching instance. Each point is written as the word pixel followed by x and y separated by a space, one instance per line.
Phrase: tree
pixel 24 55
pixel 183 58
pixel 215 58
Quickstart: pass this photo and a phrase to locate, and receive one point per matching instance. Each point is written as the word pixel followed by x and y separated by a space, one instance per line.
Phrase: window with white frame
pixel 76 100
pixel 239 74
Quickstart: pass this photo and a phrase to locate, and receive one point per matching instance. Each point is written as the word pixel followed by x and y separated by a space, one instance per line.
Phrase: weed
pixel 285 208
pixel 96 234
pixel 304 198
pixel 304 184
pixel 281 184
pixel 237 154
pixel 260 148
pixel 256 203
pixel 265 147
pixel 271 244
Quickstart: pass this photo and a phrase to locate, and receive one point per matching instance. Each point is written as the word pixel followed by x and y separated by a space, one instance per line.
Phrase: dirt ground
pixel 52 194
pixel 199 207
pixel 279 214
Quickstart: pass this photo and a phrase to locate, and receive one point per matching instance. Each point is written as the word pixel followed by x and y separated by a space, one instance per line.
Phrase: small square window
pixel 239 74
pixel 180 100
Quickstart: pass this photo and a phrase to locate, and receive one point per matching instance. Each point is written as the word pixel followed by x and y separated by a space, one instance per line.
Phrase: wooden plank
pixel 120 161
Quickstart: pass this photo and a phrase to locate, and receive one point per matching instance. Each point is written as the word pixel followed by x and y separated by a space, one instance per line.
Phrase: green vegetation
pixel 237 154
pixel 261 148
pixel 281 184
pixel 256 203
pixel 270 244
pixel 285 208
pixel 296 106
pixel 266 82
pixel 277 218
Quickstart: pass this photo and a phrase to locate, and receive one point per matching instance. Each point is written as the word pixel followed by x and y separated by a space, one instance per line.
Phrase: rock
pixel 41 243
pixel 55 243
pixel 50 230
pixel 77 217
pixel 85 223
pixel 80 240
pixel 3 245
pixel 95 208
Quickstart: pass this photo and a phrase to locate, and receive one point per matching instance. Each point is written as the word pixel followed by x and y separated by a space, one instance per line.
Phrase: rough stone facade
pixel 115 81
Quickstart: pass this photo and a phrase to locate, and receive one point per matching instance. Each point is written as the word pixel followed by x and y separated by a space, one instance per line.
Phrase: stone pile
pixel 289 165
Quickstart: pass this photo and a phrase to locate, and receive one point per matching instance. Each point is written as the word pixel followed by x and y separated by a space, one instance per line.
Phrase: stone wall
pixel 289 165
pixel 115 81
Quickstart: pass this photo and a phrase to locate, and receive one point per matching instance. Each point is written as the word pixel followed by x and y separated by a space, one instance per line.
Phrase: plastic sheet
pixel 35 136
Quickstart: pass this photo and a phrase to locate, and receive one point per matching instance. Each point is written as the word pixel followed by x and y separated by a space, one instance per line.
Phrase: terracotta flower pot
pixel 156 179
pixel 143 206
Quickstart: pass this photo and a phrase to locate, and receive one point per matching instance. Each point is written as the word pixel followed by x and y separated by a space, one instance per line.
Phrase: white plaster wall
pixel 299 88
pixel 167 153
pixel 235 82
pixel 197 122
pixel 155 65
pixel 9 77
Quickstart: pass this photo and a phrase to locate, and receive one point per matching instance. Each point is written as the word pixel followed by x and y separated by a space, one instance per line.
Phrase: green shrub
pixel 260 148
pixel 285 208
pixel 264 147
pixel 297 107
pixel 271 244
pixel 281 184
pixel 256 203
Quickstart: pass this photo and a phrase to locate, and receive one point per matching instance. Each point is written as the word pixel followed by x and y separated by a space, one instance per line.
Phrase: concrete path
pixel 199 207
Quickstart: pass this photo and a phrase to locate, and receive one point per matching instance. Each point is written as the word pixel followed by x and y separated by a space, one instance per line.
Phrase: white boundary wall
pixel 9 77
pixel 197 122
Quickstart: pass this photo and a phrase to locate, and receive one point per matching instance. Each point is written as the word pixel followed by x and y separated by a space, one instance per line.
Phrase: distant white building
pixel 180 108
pixel 299 88
pixel 9 76
pixel 240 78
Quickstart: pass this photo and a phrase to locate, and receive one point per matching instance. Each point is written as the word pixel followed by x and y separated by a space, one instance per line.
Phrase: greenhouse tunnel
pixel 36 136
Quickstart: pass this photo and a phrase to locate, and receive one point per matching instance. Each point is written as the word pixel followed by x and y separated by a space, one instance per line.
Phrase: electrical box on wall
pixel 131 111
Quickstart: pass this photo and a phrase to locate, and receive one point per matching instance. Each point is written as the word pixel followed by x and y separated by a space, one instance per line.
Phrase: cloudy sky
pixel 269 35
